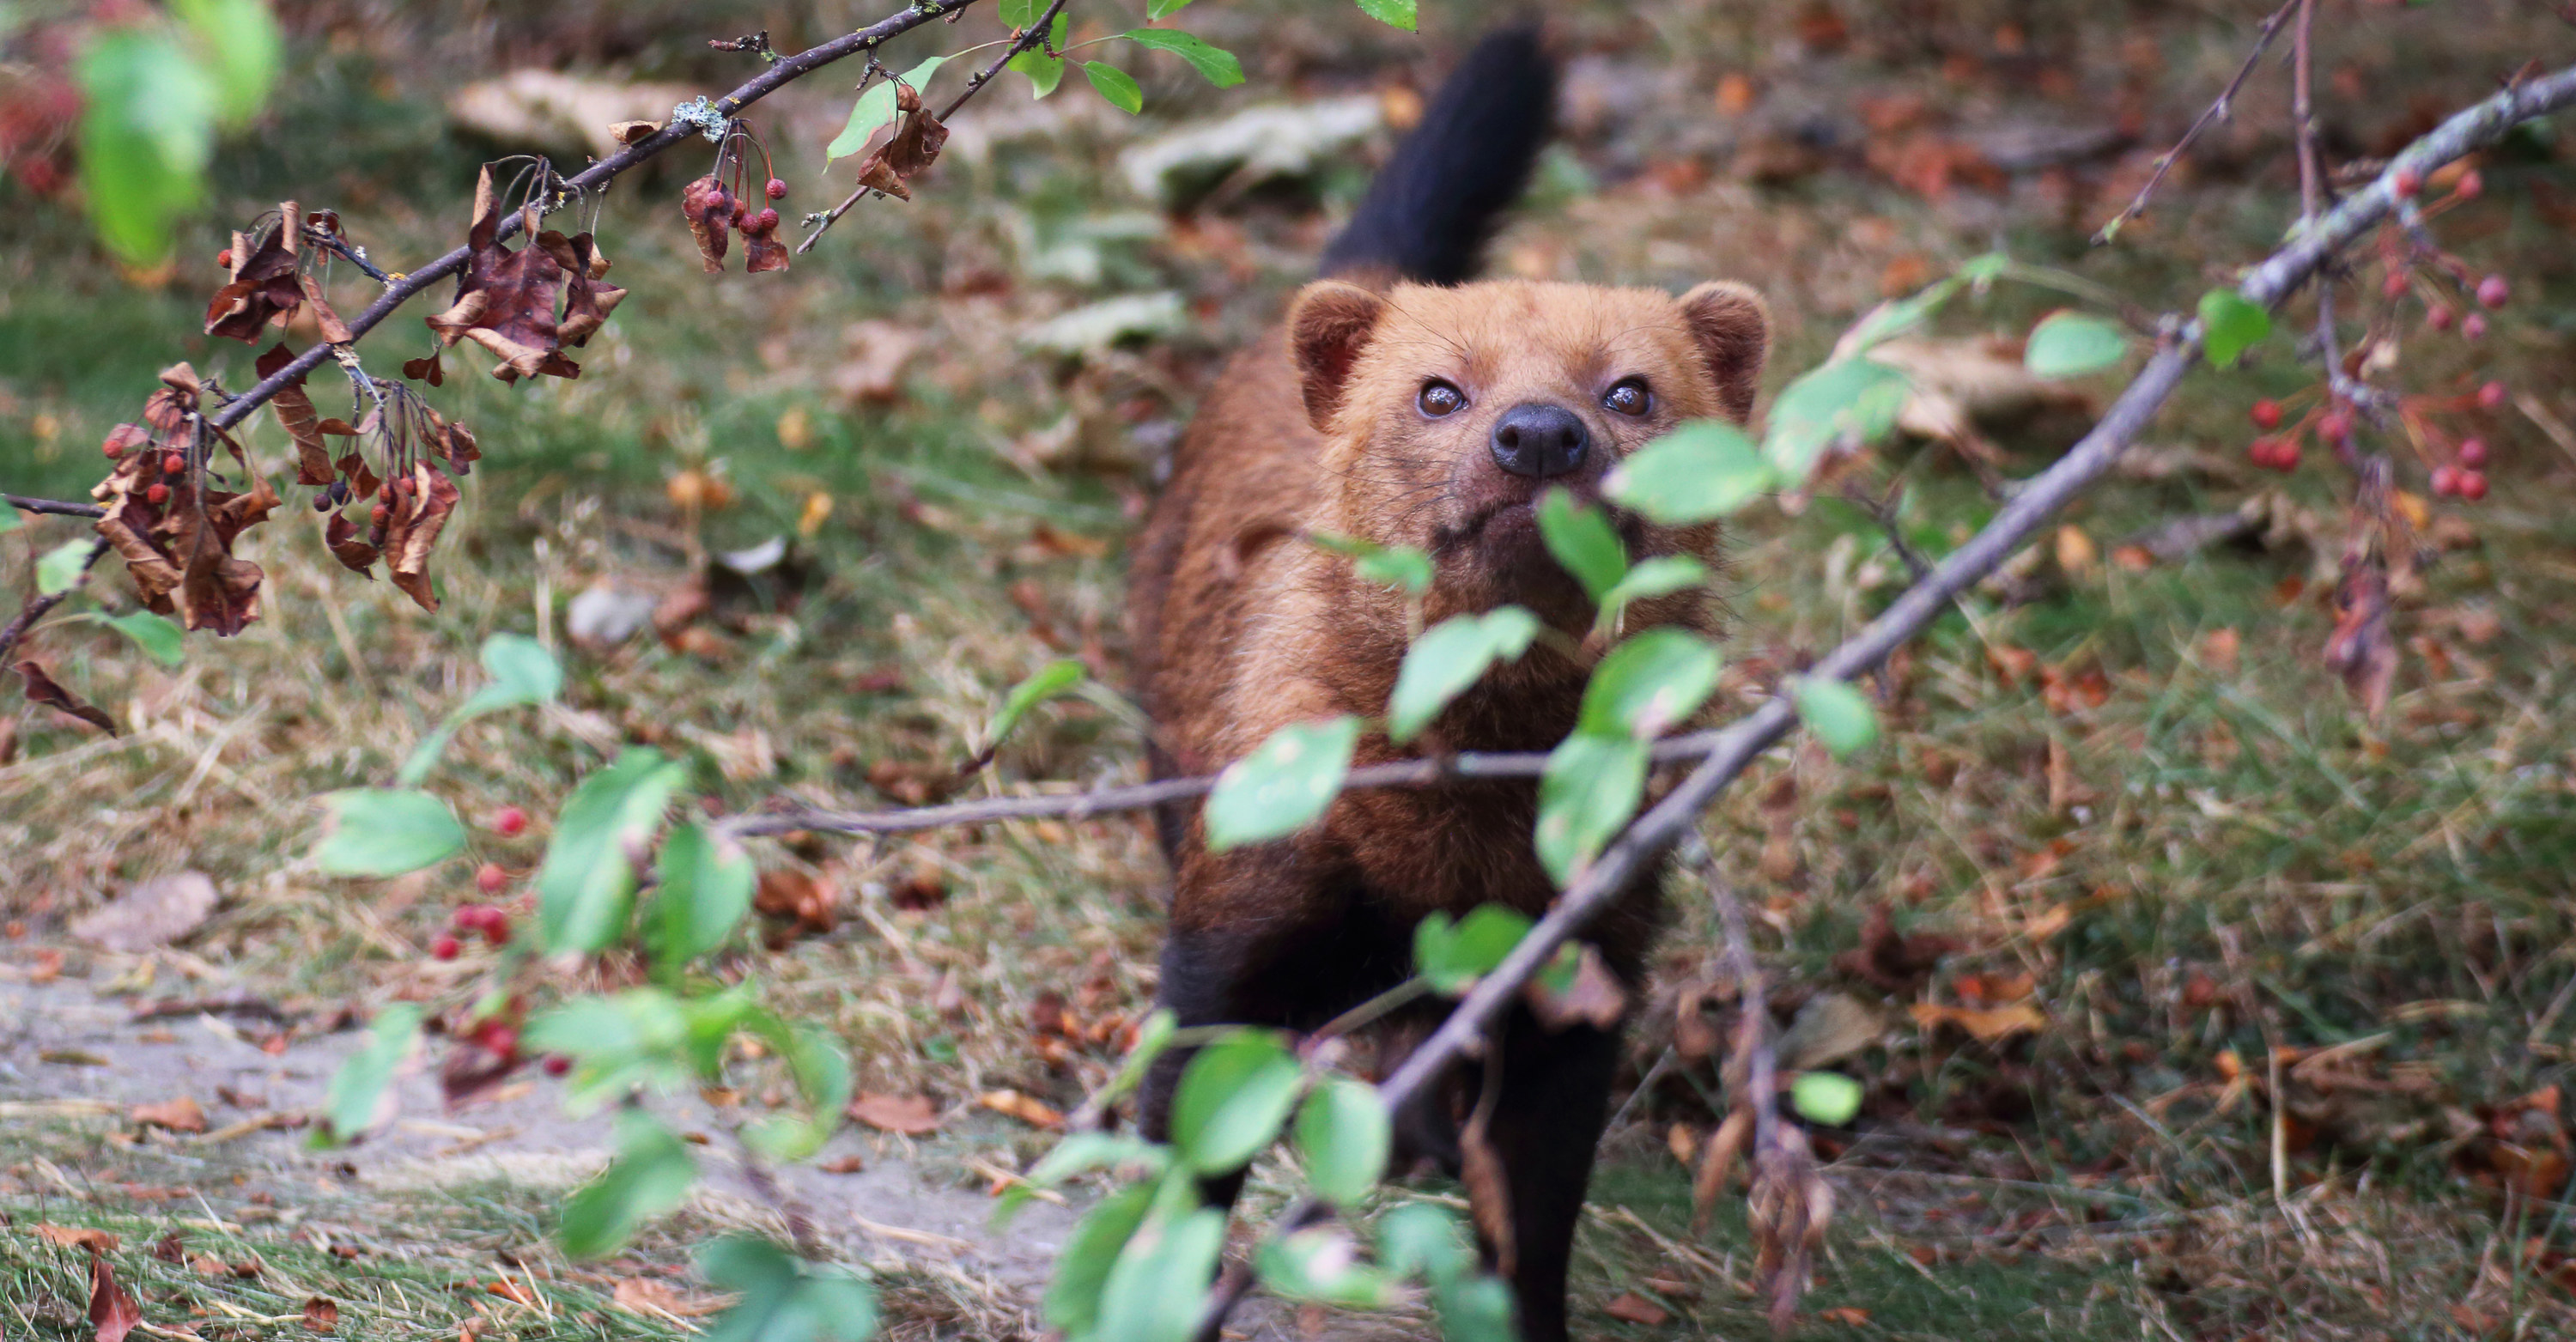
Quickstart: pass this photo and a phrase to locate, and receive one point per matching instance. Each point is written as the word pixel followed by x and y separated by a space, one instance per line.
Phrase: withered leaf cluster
pixel 174 530
pixel 507 300
pixel 402 520
pixel 2379 551
pixel 265 286
pixel 715 212
pixel 918 137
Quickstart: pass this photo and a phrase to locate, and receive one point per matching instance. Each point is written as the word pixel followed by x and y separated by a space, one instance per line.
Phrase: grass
pixel 2171 816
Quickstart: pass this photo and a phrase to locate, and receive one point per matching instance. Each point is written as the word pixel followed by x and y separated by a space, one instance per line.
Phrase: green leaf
pixel 1044 71
pixel 9 519
pixel 822 1071
pixel 1157 1290
pixel 1452 956
pixel 1017 15
pixel 1705 469
pixel 1084 1152
pixel 1896 317
pixel 2229 326
pixel 1654 577
pixel 60 568
pixel 588 878
pixel 1398 566
pixel 357 1090
pixel 1232 1098
pixel 1343 1136
pixel 638 1038
pixel 651 1175
pixel 1591 787
pixel 875 110
pixel 705 891
pixel 2071 344
pixel 160 639
pixel 1830 1098
pixel 1422 1239
pixel 1322 1263
pixel 1850 402
pixel 783 1299
pixel 1282 786
pixel 1393 13
pixel 1582 539
pixel 1152 1038
pixel 147 131
pixel 1090 1252
pixel 1116 85
pixel 242 38
pixel 1449 657
pixel 522 672
pixel 1648 684
pixel 1839 715
pixel 1164 9
pixel 1053 679
pixel 1475 1309
pixel 386 832
pixel 1214 63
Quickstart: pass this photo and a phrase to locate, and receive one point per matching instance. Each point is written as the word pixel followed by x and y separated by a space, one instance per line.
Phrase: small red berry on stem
pixel 172 463
pixel 510 822
pixel 2446 480
pixel 2336 426
pixel 557 1064
pixel 112 448
pixel 777 189
pixel 766 219
pixel 2439 319
pixel 2493 291
pixel 444 946
pixel 158 493
pixel 2470 187
pixel 490 879
pixel 2474 326
pixel 2473 485
pixel 2267 414
pixel 2285 455
pixel 2473 452
pixel 2491 395
pixel 500 1037
pixel 224 258
pixel 2406 183
pixel 380 514
pixel 2396 285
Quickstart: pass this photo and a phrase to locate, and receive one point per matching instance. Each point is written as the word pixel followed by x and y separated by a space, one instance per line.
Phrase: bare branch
pixel 2217 111
pixel 17 629
pixel 53 507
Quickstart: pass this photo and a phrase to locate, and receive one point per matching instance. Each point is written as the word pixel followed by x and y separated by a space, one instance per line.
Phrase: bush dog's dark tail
pixel 1428 216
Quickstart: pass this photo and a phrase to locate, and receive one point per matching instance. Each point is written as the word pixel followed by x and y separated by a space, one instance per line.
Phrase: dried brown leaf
pixel 910 1115
pixel 112 1312
pixel 41 689
pixel 710 210
pixel 418 510
pixel 1594 998
pixel 1489 1193
pixel 179 1115
pixel 321 1315
pixel 263 287
pixel 295 414
pixel 334 330
pixel 78 1237
pixel 1630 1307
pixel 154 913
pixel 1026 1108
pixel 1716 1161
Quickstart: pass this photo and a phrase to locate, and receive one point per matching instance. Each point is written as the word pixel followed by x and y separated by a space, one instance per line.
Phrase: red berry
pixel 2473 485
pixel 172 463
pixel 158 493
pixel 2406 183
pixel 2474 326
pixel 2263 452
pixel 765 220
pixel 2493 291
pixel 2446 480
pixel 741 214
pixel 2439 319
pixel 224 258
pixel 496 929
pixel 2473 452
pixel 444 947
pixel 2395 285
pixel 2267 414
pixel 557 1064
pixel 2491 395
pixel 777 189
pixel 112 448
pixel 2285 456
pixel 500 1037
pixel 490 879
pixel 509 822
pixel 379 514
pixel 2336 426
pixel 471 917
pixel 2471 186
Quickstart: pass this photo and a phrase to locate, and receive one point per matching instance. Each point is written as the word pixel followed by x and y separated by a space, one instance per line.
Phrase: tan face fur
pixel 1399 472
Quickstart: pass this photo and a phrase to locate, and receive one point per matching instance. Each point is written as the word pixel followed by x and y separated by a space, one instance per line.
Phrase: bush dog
pixel 1403 404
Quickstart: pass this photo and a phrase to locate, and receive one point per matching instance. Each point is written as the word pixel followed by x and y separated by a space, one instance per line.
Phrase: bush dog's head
pixel 1449 412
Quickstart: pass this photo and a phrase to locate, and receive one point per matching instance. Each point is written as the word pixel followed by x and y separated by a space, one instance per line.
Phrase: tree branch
pixel 2216 111
pixel 18 628
pixel 53 507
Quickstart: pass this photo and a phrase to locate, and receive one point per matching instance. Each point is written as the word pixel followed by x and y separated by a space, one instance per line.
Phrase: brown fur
pixel 1243 628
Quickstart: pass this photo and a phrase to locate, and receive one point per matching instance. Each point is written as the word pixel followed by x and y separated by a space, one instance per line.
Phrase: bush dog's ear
pixel 1327 328
pixel 1733 329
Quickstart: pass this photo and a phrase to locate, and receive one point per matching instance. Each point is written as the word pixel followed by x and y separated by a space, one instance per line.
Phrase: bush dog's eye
pixel 1628 398
pixel 1439 398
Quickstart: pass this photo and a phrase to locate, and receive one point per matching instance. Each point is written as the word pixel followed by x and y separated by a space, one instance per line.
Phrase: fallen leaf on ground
pixel 110 1308
pixel 643 1295
pixel 1896 964
pixel 1593 998
pixel 513 1292
pixel 321 1314
pixel 78 1237
pixel 1630 1307
pixel 1988 1026
pixel 1850 1316
pixel 1026 1108
pixel 911 1115
pixel 153 914
pixel 179 1115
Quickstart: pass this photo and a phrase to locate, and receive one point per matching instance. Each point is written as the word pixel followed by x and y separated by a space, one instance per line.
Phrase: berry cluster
pixel 470 919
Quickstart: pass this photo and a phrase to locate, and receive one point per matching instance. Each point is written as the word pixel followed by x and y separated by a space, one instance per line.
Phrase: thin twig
pixel 2217 111
pixel 36 609
pixel 1032 36
pixel 53 507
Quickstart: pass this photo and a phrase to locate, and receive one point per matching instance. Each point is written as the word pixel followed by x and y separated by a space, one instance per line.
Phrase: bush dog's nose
pixel 1538 439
